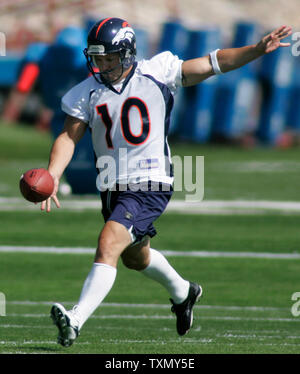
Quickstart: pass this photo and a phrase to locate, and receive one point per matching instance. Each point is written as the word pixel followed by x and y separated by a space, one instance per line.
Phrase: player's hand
pixel 272 41
pixel 47 203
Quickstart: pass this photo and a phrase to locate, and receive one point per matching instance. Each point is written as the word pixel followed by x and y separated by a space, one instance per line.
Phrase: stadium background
pixel 253 105
pixel 241 242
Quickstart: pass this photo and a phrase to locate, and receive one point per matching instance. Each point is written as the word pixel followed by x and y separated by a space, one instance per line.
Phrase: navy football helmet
pixel 111 35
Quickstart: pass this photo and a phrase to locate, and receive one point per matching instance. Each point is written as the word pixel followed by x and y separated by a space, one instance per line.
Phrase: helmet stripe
pixel 101 24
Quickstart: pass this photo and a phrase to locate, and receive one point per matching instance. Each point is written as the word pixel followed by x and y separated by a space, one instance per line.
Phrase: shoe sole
pixel 60 321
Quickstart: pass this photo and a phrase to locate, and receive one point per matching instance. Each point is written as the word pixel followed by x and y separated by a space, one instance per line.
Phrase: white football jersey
pixel 129 124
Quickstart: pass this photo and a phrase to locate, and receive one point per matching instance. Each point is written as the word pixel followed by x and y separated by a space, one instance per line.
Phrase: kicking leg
pixel 112 241
pixel 155 266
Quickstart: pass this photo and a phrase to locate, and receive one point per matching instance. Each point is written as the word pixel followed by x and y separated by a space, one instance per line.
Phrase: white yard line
pixel 11 344
pixel 86 250
pixel 5 342
pixel 26 342
pixel 244 335
pixel 153 306
pixel 179 206
pixel 158 316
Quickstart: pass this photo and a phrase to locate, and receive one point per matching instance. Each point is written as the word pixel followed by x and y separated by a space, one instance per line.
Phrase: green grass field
pixel 246 307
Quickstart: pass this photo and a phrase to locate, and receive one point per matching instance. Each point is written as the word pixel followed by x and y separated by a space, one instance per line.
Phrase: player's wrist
pixel 259 48
pixel 55 174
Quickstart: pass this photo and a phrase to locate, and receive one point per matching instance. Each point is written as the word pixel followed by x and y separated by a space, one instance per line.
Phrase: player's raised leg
pixel 154 265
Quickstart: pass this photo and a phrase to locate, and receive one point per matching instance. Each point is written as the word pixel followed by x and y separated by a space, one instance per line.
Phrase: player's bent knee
pixel 107 250
pixel 114 236
pixel 106 244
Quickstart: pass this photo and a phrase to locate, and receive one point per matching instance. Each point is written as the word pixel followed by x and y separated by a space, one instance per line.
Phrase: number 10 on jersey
pixel 133 139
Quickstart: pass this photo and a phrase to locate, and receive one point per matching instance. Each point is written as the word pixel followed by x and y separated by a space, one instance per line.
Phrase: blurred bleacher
pixel 249 105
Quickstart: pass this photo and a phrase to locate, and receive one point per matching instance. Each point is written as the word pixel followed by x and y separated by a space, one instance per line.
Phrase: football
pixel 36 185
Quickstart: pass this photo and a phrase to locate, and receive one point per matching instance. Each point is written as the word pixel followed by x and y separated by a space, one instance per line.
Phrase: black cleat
pixel 184 311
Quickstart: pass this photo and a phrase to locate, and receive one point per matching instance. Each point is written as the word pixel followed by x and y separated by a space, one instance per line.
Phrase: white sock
pixel 96 286
pixel 161 271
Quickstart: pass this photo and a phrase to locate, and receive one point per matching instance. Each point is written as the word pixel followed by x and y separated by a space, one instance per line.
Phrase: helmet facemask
pixel 126 59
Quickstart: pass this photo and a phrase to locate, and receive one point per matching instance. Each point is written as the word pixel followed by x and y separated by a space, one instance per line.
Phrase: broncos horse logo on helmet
pixel 111 35
pixel 123 34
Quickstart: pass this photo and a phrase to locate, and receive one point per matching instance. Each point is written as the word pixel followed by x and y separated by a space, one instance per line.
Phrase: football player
pixel 127 107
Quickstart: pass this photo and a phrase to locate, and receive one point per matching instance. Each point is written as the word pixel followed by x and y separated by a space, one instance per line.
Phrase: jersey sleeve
pixel 76 102
pixel 166 68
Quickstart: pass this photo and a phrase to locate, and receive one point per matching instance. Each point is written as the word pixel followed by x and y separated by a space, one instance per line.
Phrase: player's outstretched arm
pixel 233 58
pixel 61 154
pixel 196 70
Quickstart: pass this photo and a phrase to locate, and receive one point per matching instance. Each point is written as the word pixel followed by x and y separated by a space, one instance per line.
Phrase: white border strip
pixel 249 308
pixel 180 206
pixel 71 250
pixel 157 316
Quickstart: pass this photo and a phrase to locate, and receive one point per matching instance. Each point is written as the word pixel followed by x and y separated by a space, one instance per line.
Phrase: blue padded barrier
pixel 276 74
